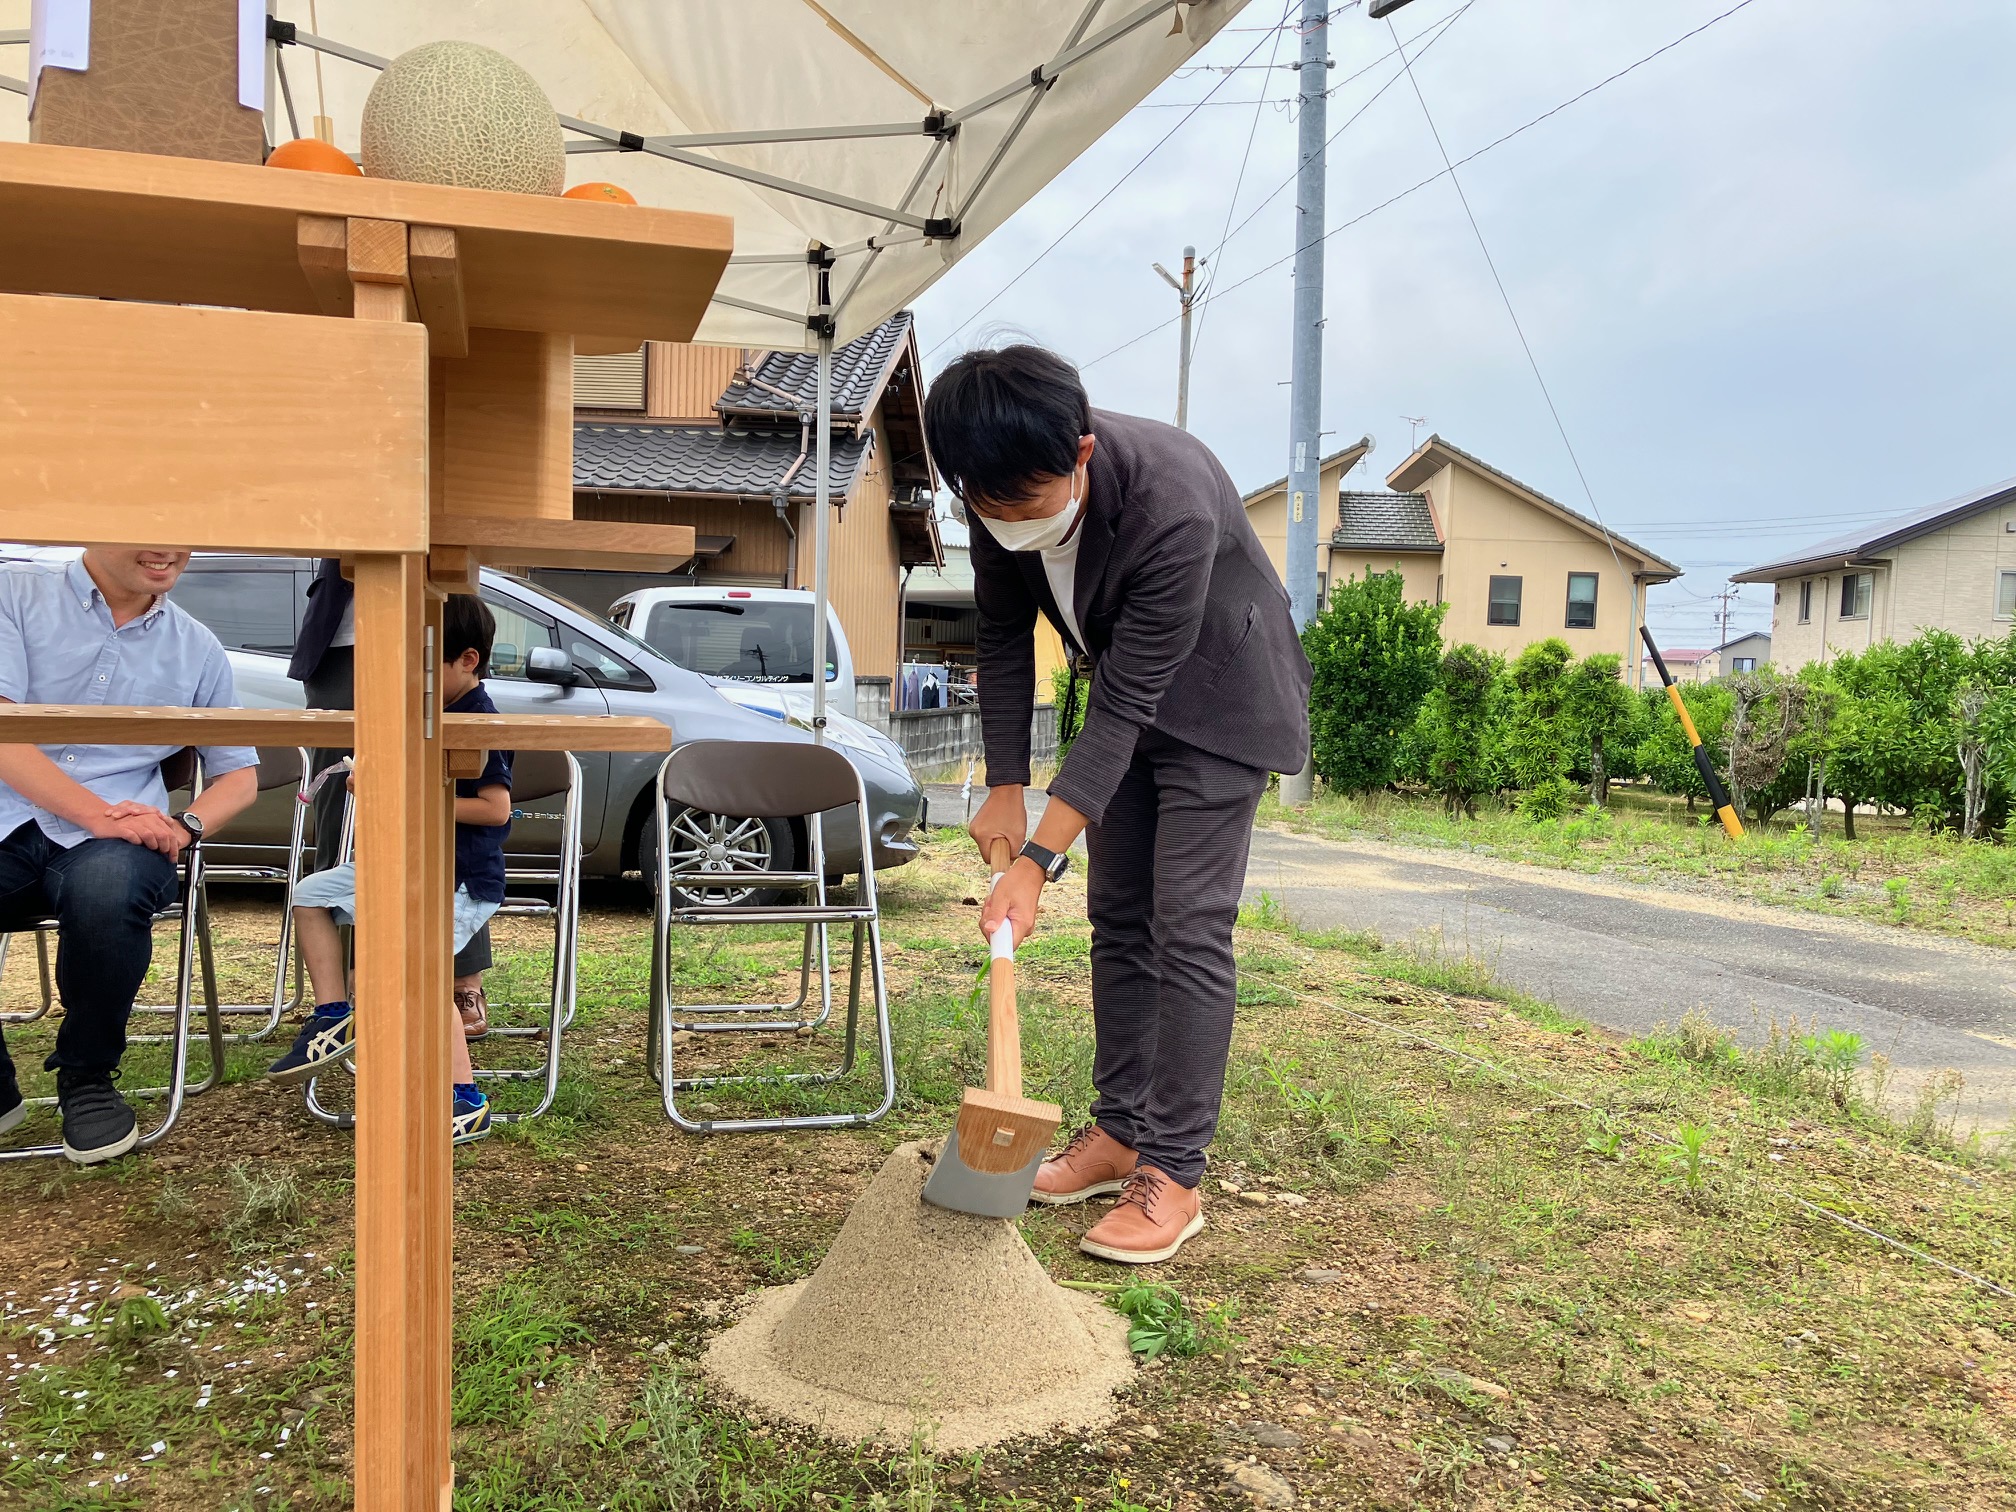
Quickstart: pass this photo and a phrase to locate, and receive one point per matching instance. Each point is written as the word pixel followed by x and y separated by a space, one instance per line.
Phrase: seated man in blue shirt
pixel 84 830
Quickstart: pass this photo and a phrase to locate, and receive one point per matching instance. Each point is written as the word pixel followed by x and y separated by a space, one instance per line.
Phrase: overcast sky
pixel 1767 275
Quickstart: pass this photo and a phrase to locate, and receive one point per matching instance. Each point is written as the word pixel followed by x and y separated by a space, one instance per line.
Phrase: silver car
pixel 553 657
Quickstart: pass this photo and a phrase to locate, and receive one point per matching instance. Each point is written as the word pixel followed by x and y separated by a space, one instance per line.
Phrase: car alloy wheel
pixel 719 843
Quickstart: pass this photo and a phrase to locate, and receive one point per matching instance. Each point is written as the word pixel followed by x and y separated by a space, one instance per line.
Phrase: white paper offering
pixel 252 54
pixel 59 36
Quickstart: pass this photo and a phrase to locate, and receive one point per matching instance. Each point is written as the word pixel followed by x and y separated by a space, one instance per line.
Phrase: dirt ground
pixel 1462 1253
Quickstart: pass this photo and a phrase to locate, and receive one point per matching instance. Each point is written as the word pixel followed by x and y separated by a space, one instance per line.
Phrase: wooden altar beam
pixel 499 541
pixel 152 425
pixel 435 264
pixel 334 729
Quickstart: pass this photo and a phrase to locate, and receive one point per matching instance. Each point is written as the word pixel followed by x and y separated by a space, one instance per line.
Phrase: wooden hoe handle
pixel 1004 1027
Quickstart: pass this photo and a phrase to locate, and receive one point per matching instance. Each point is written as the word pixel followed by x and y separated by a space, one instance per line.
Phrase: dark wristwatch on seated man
pixel 1053 864
pixel 192 822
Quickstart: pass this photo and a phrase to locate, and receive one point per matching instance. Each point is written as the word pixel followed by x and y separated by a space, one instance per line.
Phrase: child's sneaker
pixel 324 1040
pixel 471 1118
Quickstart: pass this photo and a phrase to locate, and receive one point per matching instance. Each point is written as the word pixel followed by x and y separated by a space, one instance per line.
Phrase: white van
pixel 752 635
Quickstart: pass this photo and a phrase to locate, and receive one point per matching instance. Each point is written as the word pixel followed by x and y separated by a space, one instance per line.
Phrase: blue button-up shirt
pixel 58 645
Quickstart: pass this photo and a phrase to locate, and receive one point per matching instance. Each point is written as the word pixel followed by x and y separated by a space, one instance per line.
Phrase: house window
pixel 1581 601
pixel 2005 596
pixel 1806 602
pixel 1504 604
pixel 1438 587
pixel 1745 664
pixel 1857 588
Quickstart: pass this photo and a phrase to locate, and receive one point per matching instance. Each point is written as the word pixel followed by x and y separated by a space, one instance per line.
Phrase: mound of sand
pixel 923 1319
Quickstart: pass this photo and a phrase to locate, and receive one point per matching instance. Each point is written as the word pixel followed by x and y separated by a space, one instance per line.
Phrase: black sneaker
pixel 97 1124
pixel 13 1107
pixel 323 1041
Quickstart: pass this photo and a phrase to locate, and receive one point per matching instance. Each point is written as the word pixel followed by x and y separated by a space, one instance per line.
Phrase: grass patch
pixel 1891 873
pixel 1460 1222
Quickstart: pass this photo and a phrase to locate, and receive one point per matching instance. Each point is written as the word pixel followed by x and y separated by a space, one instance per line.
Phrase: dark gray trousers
pixel 1168 862
pixel 333 685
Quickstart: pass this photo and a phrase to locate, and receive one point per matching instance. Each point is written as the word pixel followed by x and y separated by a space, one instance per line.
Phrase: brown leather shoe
pixel 474 1010
pixel 1154 1218
pixel 1093 1164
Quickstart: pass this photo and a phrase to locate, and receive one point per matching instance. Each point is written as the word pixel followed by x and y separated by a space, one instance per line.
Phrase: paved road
pixel 1627 957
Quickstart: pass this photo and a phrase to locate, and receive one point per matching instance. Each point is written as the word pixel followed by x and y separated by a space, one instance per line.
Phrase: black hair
pixel 467 625
pixel 1003 422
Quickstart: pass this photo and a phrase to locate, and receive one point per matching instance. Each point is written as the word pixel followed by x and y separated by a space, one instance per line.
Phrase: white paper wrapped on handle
pixel 1001 944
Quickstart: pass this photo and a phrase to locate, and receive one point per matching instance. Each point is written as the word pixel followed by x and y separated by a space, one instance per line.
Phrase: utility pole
pixel 1305 394
pixel 1185 292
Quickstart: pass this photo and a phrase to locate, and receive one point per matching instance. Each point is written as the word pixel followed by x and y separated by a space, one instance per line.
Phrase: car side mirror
pixel 549 664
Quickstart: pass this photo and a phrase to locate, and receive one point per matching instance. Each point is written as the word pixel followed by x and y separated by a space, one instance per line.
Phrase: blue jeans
pixel 104 895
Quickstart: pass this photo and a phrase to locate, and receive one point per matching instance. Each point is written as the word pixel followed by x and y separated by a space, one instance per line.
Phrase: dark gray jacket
pixel 1185 620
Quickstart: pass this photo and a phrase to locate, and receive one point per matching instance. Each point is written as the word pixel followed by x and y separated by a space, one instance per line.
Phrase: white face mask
pixel 1035 535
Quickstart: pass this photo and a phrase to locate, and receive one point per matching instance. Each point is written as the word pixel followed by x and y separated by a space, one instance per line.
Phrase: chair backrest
pixel 279 767
pixel 536 775
pixel 760 779
pixel 178 772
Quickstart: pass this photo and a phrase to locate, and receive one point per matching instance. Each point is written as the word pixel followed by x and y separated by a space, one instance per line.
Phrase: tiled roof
pixel 858 368
pixel 1385 522
pixel 705 459
pixel 1434 453
pixel 1871 539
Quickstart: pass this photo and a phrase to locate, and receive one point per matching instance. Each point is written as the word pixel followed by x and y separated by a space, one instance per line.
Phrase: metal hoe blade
pixel 955 1185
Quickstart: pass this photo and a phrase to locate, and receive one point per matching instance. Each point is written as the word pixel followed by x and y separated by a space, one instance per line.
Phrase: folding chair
pixel 189 913
pixel 279 767
pixel 535 775
pixel 764 780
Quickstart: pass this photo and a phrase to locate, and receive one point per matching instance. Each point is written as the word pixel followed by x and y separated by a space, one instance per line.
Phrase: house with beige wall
pixel 1950 566
pixel 1513 565
pixel 722 439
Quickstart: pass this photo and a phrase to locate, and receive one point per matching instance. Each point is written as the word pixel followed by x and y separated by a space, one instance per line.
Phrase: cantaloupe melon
pixel 460 113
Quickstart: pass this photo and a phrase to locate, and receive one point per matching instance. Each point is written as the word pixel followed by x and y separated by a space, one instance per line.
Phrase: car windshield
pixel 603 626
pixel 746 639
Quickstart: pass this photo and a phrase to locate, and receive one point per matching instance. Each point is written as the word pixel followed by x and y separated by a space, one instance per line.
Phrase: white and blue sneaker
pixel 471 1118
pixel 327 1038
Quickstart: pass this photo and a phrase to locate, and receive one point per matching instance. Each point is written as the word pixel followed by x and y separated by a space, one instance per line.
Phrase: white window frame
pixel 1806 601
pixel 2004 578
pixel 1866 609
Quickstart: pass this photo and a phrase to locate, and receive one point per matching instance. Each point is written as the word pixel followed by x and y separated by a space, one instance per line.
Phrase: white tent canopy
pixel 897 133
pixel 861 146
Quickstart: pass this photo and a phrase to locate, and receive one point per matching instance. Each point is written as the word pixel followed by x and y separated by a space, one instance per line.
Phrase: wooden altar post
pixel 424 432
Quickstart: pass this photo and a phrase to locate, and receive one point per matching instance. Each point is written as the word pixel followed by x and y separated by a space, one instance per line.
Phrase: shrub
pixel 1061 679
pixel 1373 659
pixel 1458 721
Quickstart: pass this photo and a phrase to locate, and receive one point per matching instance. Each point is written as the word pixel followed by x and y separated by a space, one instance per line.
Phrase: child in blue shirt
pixel 329 898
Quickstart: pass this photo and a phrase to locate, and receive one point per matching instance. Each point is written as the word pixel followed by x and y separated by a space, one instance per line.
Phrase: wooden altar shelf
pixel 64 724
pixel 498 541
pixel 122 225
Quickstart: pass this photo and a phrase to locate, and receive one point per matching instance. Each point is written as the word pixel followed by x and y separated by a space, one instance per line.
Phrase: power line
pixel 1440 28
pixel 1115 189
pixel 1416 188
pixel 1238 183
pixel 1505 295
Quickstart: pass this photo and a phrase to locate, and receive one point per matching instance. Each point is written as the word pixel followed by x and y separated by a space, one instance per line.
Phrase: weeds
pixel 1690 1159
pixel 1161 1323
pixel 265 1205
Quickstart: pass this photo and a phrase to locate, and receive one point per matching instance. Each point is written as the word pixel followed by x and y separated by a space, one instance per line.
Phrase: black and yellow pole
pixel 1717 794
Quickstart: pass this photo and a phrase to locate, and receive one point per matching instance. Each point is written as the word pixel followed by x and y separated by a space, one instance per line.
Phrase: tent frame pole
pixel 821 259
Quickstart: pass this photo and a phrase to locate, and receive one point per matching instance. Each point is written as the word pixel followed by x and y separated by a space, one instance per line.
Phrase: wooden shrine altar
pixel 253 359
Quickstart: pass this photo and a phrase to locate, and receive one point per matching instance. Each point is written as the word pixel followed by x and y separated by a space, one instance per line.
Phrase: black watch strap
pixel 191 823
pixel 1053 863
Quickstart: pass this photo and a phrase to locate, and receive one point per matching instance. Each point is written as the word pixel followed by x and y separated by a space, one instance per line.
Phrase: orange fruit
pixel 615 194
pixel 313 156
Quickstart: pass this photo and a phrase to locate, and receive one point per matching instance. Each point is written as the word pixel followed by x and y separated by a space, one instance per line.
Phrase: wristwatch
pixel 192 823
pixel 1053 863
